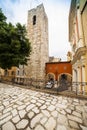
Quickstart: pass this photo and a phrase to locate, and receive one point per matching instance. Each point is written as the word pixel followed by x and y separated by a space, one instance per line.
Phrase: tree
pixel 15 48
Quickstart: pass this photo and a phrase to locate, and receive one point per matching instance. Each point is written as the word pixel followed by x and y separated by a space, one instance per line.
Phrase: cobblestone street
pixel 24 109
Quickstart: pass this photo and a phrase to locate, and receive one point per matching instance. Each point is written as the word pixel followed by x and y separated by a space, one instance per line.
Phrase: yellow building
pixel 78 40
pixel 8 74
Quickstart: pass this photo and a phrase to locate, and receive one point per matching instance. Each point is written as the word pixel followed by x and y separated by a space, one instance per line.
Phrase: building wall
pixel 72 19
pixel 8 74
pixel 84 23
pixel 38 36
pixel 82 4
pixel 78 41
pixel 58 68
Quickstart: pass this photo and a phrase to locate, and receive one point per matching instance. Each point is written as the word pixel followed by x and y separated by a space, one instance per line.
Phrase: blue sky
pixel 57 12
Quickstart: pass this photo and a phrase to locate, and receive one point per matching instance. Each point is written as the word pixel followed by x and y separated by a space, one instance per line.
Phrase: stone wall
pixel 37 29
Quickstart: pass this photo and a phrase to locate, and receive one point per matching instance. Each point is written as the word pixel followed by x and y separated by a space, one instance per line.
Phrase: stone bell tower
pixel 37 29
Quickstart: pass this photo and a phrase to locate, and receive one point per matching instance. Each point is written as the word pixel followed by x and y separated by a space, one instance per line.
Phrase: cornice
pixel 80 52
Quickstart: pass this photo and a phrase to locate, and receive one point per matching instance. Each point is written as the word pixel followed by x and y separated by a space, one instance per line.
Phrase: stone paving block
pixel 68 110
pixel 6 103
pixel 29 107
pixel 50 124
pixel 83 127
pixel 8 126
pixel 61 127
pixel 5 119
pixel 77 114
pixel 36 120
pixel 79 108
pixel 22 113
pixel 41 101
pixel 15 106
pixel 51 108
pixel 47 103
pixel 54 114
pixel 61 106
pixel 0 114
pixel 74 118
pixel 63 112
pixel 85 108
pixel 38 104
pixel 31 114
pixel 39 127
pixel 53 102
pixel 74 124
pixel 48 100
pixel 64 101
pixel 55 99
pixel 43 120
pixel 62 119
pixel 43 107
pixel 28 128
pixel 22 124
pixel 16 119
pixel 5 115
pixel 46 113
pixel 7 110
pixel 72 107
pixel 36 110
pixel 19 102
pixel 21 107
pixel 33 101
pixel 76 100
pixel 14 112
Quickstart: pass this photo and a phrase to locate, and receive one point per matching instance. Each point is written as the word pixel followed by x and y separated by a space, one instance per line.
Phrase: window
pixel 34 19
pixel 12 73
pixel 6 73
pixel 18 72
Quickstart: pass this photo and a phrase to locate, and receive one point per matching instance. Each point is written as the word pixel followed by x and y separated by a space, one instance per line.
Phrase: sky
pixel 57 12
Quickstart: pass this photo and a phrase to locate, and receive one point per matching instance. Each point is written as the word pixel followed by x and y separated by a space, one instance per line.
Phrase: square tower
pixel 37 32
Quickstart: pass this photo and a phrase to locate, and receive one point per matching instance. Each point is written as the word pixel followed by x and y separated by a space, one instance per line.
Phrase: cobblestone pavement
pixel 24 109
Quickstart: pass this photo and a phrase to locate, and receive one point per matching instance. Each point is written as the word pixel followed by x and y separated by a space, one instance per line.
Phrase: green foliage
pixel 14 46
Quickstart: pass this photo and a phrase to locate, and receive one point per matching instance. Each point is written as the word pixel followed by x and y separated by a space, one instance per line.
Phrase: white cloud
pixel 57 13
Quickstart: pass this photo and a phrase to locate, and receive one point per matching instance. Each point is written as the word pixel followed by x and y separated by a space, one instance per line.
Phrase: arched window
pixel 34 19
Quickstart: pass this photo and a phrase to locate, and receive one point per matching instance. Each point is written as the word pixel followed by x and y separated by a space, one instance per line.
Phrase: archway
pixel 64 81
pixel 65 76
pixel 50 77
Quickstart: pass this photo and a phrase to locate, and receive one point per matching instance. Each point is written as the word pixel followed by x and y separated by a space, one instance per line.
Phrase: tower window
pixel 34 19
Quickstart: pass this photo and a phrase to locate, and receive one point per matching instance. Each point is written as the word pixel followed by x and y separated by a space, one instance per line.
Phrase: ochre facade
pixel 37 32
pixel 56 69
pixel 8 74
pixel 78 40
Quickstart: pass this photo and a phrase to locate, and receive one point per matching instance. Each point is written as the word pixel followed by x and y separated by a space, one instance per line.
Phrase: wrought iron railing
pixel 78 88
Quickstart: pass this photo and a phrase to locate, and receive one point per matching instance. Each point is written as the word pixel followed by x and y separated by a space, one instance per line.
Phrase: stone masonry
pixel 37 29
pixel 24 109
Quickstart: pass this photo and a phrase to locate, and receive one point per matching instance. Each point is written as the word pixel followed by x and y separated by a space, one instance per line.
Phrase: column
pixel 73 76
pixel 73 79
pixel 79 79
pixel 80 28
pixel 83 79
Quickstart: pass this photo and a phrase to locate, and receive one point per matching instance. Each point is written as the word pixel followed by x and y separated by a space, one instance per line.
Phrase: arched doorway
pixel 64 81
pixel 50 77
